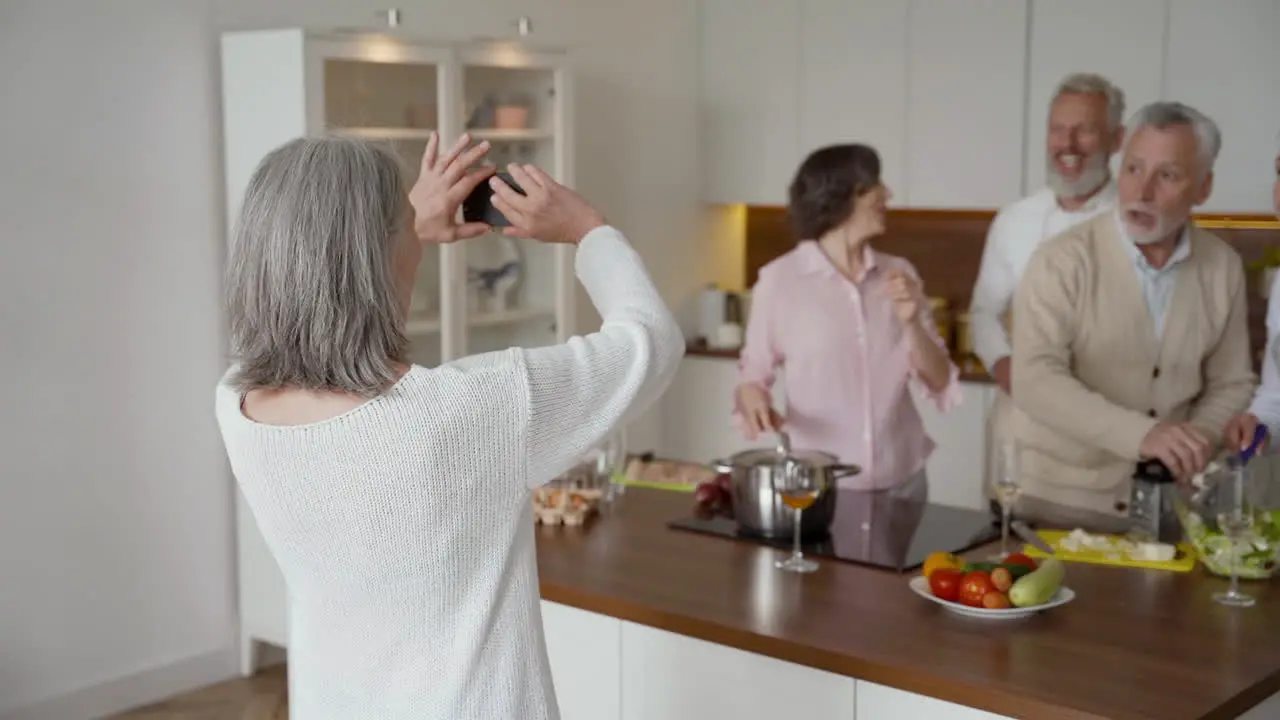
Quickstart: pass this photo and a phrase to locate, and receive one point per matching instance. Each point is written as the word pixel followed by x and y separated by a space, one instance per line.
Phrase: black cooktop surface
pixel 872 528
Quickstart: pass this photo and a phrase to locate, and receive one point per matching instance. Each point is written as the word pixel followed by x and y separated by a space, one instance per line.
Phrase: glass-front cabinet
pixel 519 292
pixel 486 294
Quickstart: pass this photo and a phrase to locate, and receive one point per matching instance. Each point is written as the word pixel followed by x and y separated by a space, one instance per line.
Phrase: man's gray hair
pixel 310 289
pixel 1166 114
pixel 1094 84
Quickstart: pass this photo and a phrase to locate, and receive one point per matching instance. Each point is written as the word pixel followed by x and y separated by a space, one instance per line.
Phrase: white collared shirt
pixel 1266 402
pixel 1157 283
pixel 1015 233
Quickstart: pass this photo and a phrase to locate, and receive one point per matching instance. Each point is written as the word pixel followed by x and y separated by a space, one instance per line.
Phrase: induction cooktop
pixel 872 528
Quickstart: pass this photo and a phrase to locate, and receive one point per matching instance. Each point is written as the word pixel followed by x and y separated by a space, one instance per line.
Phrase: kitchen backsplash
pixel 946 248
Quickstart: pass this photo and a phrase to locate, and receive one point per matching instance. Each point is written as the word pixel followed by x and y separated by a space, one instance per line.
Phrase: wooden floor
pixel 261 697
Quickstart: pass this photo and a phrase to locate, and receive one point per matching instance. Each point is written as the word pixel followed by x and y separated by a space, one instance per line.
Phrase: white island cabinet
pixel 610 669
pixel 585 652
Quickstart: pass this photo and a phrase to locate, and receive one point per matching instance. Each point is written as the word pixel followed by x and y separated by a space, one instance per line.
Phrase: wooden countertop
pixel 966 375
pixel 1134 643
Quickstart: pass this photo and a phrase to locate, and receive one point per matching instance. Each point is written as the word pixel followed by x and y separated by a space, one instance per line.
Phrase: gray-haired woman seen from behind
pixel 395 497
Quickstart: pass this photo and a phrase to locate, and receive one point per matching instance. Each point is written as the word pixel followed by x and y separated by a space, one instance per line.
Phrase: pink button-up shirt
pixel 847 362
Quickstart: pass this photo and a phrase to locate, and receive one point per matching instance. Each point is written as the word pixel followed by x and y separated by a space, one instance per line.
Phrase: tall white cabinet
pixel 1223 59
pixel 966 93
pixel 1128 49
pixel 750 92
pixel 486 294
pixel 853 80
pixel 955 95
pixel 939 89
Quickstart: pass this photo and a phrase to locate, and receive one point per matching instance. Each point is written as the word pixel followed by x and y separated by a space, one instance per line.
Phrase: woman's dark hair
pixel 826 184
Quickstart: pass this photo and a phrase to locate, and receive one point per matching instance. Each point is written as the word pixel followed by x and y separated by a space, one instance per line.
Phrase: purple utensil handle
pixel 1259 434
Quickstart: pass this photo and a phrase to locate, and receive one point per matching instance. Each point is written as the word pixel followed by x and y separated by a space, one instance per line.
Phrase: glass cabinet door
pixel 512 292
pixel 397 94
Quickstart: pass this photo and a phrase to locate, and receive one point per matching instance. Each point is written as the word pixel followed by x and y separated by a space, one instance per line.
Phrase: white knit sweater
pixel 404 527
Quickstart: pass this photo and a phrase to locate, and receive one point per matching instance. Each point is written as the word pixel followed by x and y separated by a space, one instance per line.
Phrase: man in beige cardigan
pixel 1130 338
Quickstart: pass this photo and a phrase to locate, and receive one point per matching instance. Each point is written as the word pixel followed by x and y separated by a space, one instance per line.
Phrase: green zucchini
pixel 1038 586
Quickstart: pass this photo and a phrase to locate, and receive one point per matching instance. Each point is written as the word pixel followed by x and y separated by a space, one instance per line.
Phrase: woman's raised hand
pixel 443 183
pixel 546 211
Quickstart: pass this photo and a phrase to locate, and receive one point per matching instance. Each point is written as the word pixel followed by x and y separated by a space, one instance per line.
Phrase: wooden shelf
pixel 495 135
pixel 398 133
pixel 508 317
pixel 429 325
pixel 385 133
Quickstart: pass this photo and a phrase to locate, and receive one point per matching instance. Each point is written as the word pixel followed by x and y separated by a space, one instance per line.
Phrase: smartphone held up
pixel 478 207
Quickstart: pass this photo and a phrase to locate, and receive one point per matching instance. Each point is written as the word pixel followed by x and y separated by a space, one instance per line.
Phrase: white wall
pixel 115 504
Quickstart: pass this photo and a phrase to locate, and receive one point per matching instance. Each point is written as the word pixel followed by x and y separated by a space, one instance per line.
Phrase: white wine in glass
pixel 1006 489
pixel 1235 520
pixel 1235 525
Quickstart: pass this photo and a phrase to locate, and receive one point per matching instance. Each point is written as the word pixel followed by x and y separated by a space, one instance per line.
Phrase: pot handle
pixel 721 467
pixel 840 470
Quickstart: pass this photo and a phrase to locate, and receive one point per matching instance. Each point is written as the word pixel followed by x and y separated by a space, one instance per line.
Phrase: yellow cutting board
pixel 678 487
pixel 1184 562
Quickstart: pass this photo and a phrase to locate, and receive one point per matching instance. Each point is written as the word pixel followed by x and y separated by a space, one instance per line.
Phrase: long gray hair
pixel 311 294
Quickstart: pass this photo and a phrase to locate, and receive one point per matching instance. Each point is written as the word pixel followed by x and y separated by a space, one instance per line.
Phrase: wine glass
pixel 1005 487
pixel 611 462
pixel 1235 520
pixel 798 487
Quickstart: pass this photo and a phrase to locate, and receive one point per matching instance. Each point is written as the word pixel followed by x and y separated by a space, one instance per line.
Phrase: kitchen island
pixel 647 622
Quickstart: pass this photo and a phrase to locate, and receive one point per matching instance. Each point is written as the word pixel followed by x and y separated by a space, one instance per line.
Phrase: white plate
pixel 920 584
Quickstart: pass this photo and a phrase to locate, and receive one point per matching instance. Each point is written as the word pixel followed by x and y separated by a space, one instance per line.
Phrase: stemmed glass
pixel 798 487
pixel 1235 519
pixel 611 461
pixel 1005 487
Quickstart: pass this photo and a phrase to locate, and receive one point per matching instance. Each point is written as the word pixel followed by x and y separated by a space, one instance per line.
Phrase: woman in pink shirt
pixel 849 328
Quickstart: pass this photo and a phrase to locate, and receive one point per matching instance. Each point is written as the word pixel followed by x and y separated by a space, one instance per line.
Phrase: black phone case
pixel 478 207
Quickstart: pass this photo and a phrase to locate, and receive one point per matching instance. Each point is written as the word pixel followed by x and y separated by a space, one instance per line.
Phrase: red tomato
pixel 1019 559
pixel 945 583
pixel 974 586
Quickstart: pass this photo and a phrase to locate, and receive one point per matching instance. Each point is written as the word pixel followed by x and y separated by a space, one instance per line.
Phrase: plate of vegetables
pixel 1014 588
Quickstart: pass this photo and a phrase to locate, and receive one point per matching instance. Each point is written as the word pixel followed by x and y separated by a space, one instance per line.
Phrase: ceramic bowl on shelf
pixel 494 283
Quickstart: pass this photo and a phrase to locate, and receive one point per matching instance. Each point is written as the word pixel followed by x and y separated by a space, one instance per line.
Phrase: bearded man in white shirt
pixel 1085 128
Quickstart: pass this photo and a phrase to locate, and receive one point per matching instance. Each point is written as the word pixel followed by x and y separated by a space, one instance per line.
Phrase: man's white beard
pixel 1163 227
pixel 1095 174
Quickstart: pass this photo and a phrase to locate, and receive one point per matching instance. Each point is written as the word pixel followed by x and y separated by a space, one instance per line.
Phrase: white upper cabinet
pixel 966 100
pixel 1224 59
pixel 955 95
pixel 750 96
pixel 853 78
pixel 1068 37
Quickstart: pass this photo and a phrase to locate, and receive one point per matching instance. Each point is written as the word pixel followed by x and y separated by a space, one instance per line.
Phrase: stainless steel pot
pixel 759 510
